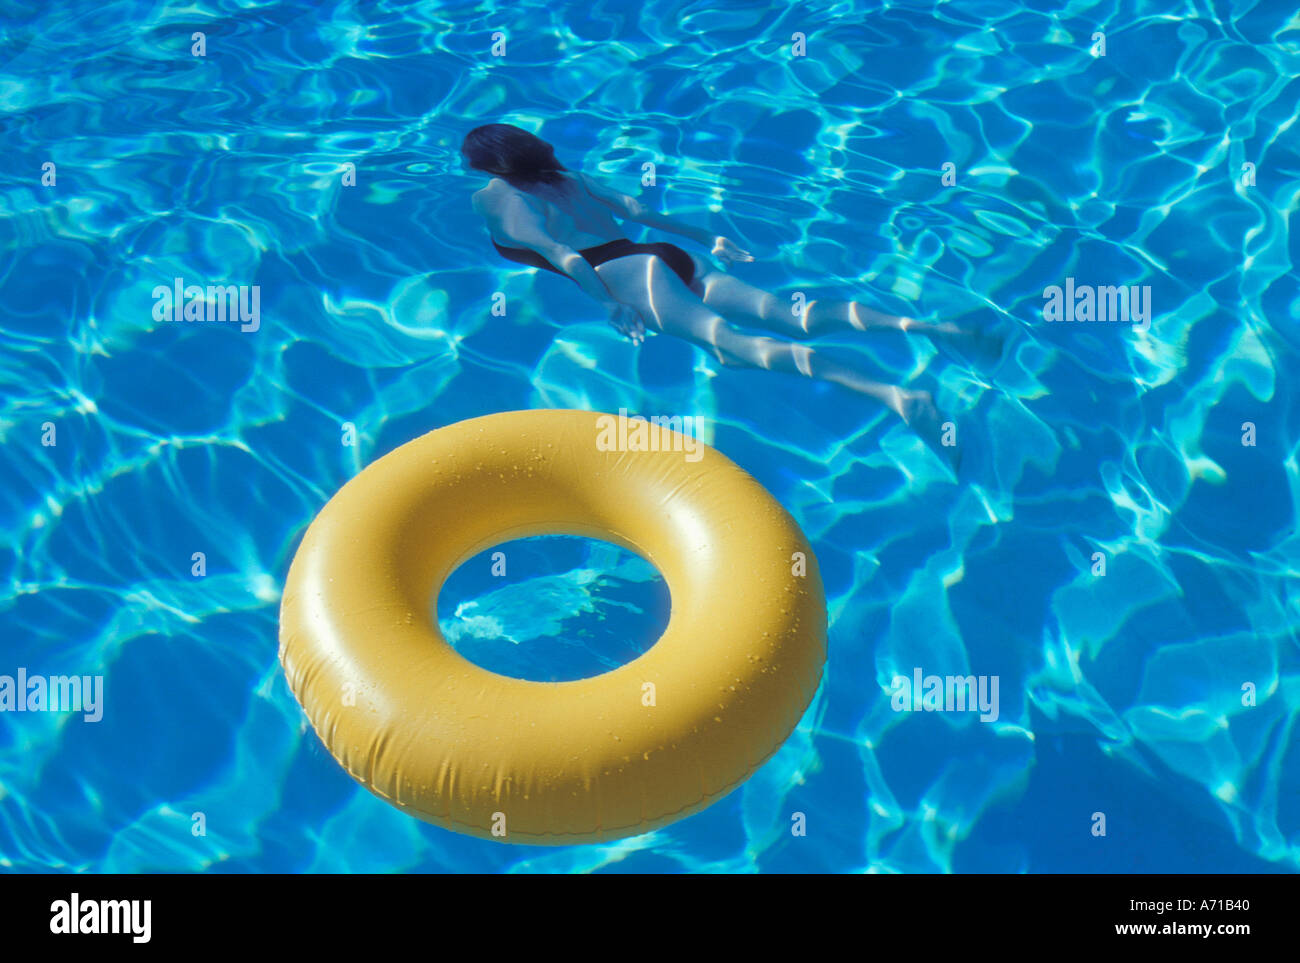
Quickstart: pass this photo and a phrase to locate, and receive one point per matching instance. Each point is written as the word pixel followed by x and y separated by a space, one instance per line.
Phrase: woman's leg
pixel 669 305
pixel 746 304
pixel 737 349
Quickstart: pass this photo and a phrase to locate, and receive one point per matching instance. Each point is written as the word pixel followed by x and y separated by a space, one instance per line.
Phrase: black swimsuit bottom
pixel 670 254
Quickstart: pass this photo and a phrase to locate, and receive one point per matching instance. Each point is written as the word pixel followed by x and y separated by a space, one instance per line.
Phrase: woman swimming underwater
pixel 539 213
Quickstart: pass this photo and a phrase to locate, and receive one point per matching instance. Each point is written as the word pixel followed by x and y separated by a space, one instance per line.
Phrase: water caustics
pixel 1120 693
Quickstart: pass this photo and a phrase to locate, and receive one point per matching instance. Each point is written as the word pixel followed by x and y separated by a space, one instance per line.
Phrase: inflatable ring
pixel 614 755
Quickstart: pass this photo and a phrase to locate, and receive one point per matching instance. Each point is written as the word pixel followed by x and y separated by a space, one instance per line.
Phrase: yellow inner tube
pixel 594 759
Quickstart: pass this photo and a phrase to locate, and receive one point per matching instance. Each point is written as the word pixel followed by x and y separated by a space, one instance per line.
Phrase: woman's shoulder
pixel 500 187
pixel 493 194
pixel 500 195
pixel 495 185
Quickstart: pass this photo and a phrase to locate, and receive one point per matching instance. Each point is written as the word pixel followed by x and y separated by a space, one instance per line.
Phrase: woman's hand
pixel 626 320
pixel 728 252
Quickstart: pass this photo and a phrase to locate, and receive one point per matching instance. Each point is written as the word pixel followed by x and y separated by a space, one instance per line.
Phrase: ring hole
pixel 553 608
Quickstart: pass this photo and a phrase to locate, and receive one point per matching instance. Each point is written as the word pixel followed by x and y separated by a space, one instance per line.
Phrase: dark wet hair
pixel 512 153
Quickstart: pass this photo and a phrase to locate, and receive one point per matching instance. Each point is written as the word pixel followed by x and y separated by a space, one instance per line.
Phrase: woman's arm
pixel 575 266
pixel 630 209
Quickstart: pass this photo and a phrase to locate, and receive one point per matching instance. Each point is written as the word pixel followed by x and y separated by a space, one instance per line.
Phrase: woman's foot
pixel 981 347
pixel 918 411
pixel 974 344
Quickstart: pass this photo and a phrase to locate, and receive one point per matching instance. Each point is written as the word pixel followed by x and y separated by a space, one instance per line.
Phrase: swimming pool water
pixel 1120 694
pixel 553 608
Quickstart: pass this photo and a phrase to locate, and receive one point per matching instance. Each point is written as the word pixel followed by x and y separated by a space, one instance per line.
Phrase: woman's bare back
pixel 573 216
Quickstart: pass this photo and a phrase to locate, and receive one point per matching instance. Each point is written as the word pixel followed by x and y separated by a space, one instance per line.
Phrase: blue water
pixel 553 608
pixel 1120 694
